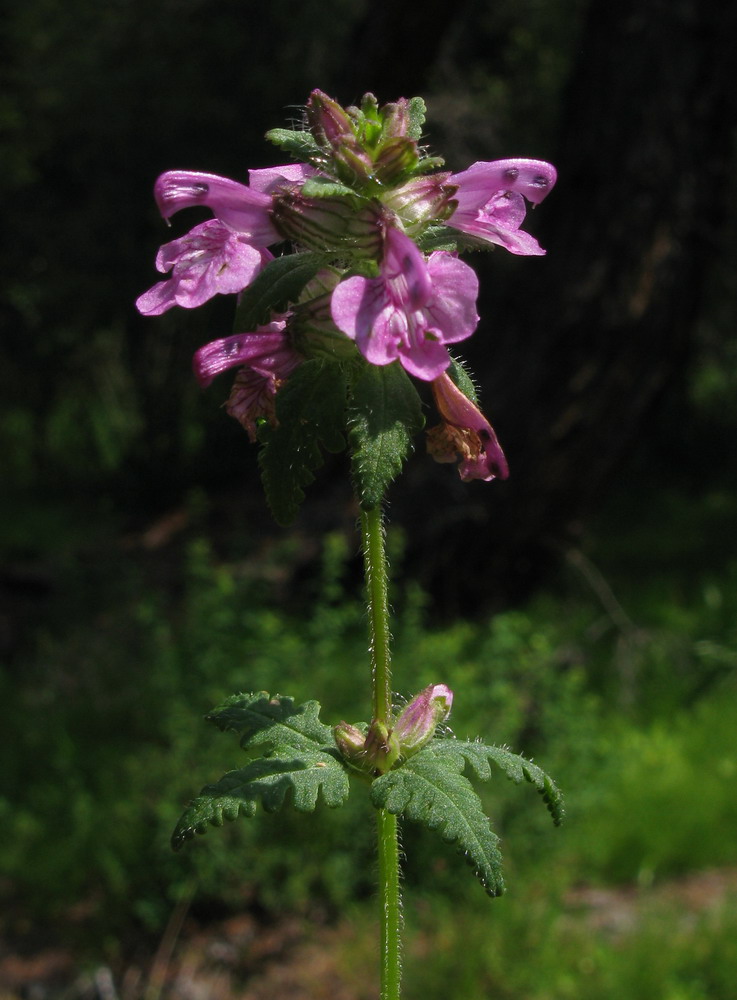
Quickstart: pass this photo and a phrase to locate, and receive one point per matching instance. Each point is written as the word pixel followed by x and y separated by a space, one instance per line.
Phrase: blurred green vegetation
pixel 628 699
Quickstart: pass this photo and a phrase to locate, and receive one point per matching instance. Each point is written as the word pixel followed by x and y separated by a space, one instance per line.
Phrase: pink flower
pixel 223 255
pixel 491 201
pixel 238 206
pixel 411 310
pixel 209 260
pixel 465 434
pixel 267 359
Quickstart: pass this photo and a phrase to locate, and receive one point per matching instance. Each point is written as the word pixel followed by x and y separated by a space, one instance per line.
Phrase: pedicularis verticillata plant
pixel 366 293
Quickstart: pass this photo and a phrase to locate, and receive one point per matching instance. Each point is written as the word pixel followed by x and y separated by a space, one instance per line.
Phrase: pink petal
pixel 156 300
pixel 455 290
pixel 405 264
pixel 426 360
pixel 241 348
pixel 266 179
pixel 210 260
pixel 240 208
pixel 532 178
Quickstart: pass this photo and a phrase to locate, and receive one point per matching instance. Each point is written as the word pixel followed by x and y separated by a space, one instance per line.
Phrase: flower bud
pixel 396 118
pixel 335 132
pixel 422 200
pixel 328 122
pixel 417 724
pixel 398 157
pixel 350 741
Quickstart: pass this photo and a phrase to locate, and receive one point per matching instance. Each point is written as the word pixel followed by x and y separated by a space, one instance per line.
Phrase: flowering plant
pixel 350 285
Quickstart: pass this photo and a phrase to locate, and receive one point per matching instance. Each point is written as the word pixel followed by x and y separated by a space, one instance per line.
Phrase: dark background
pixel 605 366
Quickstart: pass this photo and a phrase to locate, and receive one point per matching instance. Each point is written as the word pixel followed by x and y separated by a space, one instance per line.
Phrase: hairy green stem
pixel 377 589
pixel 391 906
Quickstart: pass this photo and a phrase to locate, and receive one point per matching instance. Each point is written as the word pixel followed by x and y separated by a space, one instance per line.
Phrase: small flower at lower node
pixel 464 435
pixel 267 359
pixel 417 724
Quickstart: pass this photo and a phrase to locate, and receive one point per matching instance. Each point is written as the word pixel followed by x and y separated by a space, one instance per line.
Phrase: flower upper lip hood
pixel 236 205
pixel 534 179
pixel 491 197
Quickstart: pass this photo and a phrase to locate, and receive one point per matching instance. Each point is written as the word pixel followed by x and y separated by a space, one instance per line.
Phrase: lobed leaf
pixel 326 187
pixel 458 753
pixel 433 791
pixel 267 722
pixel 310 412
pixel 417 113
pixel 305 778
pixel 278 284
pixel 301 145
pixel 384 415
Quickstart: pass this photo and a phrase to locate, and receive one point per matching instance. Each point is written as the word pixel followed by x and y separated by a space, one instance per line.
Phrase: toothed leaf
pixel 301 145
pixel 326 187
pixel 515 767
pixel 310 412
pixel 305 778
pixel 385 414
pixel 267 722
pixel 433 791
pixel 298 761
pixel 417 113
pixel 279 284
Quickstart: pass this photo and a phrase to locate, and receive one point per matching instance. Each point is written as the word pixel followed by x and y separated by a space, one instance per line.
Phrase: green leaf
pixel 459 374
pixel 457 753
pixel 385 413
pixel 270 781
pixel 310 412
pixel 298 759
pixel 267 722
pixel 438 238
pixel 301 145
pixel 280 283
pixel 417 112
pixel 326 187
pixel 434 792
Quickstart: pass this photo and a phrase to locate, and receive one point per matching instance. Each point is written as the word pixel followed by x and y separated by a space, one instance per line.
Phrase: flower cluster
pixel 382 226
